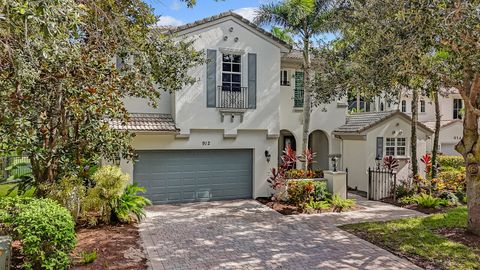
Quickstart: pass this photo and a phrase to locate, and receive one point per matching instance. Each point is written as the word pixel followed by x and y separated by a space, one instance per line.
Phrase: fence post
pixel 369 183
pixel 394 186
pixel 346 183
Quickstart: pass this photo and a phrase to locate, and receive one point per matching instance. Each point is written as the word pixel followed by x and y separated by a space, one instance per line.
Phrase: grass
pixel 416 239
pixel 5 187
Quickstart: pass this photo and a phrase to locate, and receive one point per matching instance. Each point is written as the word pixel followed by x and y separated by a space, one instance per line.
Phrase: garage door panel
pixel 194 175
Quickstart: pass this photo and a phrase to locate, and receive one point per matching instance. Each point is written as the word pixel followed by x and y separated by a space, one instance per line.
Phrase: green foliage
pixel 417 238
pixel 131 203
pixel 88 257
pixel 109 184
pixel 317 205
pixel 44 228
pixel 339 204
pixel 429 201
pixel 321 191
pixel 407 200
pixel 70 192
pixel 59 84
pixel 450 197
pixel 448 163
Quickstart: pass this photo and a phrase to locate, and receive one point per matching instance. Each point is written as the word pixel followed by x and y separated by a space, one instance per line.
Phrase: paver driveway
pixel 247 235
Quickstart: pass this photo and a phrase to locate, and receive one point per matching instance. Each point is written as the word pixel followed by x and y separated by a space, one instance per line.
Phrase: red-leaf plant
pixel 390 163
pixel 427 160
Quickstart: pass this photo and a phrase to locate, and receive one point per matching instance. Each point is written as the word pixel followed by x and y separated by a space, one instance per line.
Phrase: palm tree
pixel 305 19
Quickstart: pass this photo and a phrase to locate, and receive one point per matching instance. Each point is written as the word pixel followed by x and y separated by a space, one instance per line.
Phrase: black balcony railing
pixel 232 98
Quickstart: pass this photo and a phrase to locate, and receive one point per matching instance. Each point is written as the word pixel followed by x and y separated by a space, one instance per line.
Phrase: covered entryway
pixel 286 139
pixel 318 143
pixel 178 176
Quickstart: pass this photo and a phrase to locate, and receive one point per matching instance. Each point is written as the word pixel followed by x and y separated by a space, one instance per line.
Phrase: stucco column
pixel 337 183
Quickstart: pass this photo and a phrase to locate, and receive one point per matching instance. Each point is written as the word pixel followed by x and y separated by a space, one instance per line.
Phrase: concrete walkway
pixel 247 235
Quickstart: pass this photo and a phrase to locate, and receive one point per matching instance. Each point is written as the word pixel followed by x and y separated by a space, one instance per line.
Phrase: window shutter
pixel 379 152
pixel 211 78
pixel 252 80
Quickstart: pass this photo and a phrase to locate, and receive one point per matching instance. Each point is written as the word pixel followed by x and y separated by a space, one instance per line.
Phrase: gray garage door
pixel 194 175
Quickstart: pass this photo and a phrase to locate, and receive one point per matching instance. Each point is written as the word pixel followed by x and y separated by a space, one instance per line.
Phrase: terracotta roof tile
pixel 147 122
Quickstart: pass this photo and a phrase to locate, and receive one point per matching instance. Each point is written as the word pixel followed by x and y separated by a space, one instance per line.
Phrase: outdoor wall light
pixel 236 39
pixel 267 155
pixel 230 29
pixel 334 163
pixel 225 38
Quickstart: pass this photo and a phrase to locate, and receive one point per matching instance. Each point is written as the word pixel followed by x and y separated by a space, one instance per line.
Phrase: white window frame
pixel 231 72
pixel 284 77
pixel 396 145
pixel 403 106
pixel 459 114
pixel 422 106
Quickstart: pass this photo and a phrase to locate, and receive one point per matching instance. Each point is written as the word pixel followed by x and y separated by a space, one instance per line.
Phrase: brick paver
pixel 247 235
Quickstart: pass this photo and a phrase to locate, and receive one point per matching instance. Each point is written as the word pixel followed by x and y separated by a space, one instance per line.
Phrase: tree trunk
pixel 413 142
pixel 438 119
pixel 468 147
pixel 306 94
pixel 358 102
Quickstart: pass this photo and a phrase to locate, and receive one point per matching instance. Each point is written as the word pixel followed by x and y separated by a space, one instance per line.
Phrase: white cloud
pixel 169 20
pixel 247 12
pixel 175 5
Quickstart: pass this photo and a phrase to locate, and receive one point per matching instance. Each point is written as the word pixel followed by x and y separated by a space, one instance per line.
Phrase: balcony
pixel 232 97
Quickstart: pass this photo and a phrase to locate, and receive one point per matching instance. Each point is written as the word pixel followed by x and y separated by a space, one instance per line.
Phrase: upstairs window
pixel 457 108
pixel 231 72
pixel 396 147
pixel 298 91
pixel 422 106
pixel 284 80
pixel 404 106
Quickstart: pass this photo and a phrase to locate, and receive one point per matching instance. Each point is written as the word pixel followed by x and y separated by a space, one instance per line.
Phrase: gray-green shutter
pixel 211 78
pixel 252 80
pixel 379 152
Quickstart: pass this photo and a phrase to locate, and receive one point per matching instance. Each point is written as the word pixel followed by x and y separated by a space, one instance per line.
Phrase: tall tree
pixel 403 37
pixel 306 19
pixel 60 87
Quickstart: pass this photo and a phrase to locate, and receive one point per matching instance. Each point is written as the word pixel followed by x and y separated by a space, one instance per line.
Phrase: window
pixel 231 72
pixel 422 106
pixel 404 106
pixel 298 91
pixel 457 108
pixel 284 81
pixel 396 147
pixel 382 107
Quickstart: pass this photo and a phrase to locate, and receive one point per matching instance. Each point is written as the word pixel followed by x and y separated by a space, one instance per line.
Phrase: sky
pixel 175 12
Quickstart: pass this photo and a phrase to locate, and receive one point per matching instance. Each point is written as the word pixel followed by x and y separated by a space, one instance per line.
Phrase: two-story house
pixel 220 137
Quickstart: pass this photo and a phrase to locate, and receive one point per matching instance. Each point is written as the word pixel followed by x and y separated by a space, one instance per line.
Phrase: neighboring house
pixel 369 136
pixel 219 138
pixel 451 110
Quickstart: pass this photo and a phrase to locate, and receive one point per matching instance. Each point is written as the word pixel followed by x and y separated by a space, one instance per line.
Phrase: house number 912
pixel 205 143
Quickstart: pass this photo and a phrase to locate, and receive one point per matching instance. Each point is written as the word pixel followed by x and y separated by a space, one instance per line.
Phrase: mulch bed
pixel 118 247
pixel 418 208
pixel 289 209
pixel 462 236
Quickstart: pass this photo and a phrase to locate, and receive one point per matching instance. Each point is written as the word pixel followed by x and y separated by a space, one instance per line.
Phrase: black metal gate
pixel 382 183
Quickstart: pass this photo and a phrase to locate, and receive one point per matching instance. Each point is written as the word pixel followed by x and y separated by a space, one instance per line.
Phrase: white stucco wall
pixel 325 117
pixel 450 135
pixel 354 159
pixel 190 103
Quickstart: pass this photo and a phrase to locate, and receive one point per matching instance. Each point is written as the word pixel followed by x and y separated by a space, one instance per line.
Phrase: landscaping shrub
pixel 339 204
pixel 109 184
pixel 450 197
pixel 299 192
pixel 321 191
pixel 317 205
pixel 404 189
pixel 452 180
pixel 44 228
pixel 429 201
pixel 302 174
pixel 70 193
pixel 451 162
pixel 131 203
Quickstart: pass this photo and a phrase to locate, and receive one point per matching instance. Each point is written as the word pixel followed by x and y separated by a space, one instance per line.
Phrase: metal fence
pixel 8 168
pixel 382 183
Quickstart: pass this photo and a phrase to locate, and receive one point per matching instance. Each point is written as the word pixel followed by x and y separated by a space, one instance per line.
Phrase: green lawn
pixel 416 239
pixel 4 189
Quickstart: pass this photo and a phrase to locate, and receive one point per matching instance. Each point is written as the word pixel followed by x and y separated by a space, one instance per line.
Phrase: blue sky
pixel 175 12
